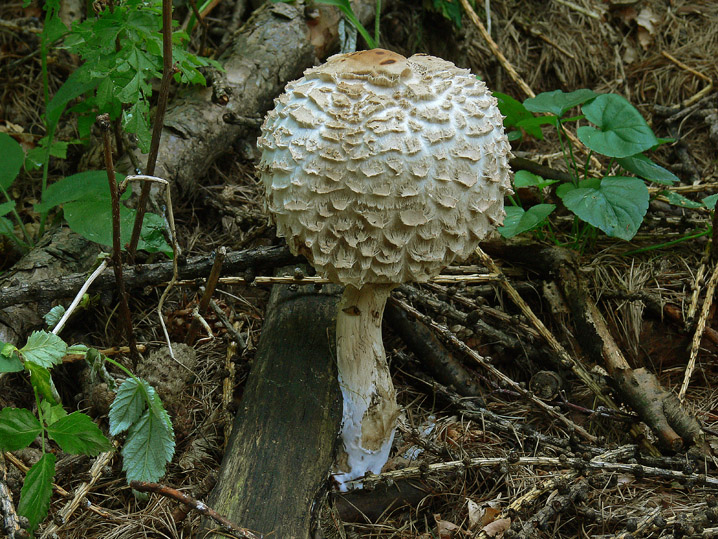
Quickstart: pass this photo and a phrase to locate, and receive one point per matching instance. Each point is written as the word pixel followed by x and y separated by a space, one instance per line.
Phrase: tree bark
pixel 282 446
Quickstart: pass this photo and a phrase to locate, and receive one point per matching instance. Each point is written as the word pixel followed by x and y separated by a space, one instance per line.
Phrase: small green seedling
pixel 137 409
pixel 616 203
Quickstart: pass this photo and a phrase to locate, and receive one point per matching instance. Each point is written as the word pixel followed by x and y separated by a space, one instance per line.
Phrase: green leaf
pixel 524 178
pixel 105 93
pixel 622 130
pixel 136 120
pixel 44 349
pixel 75 85
pixel 515 113
pixel 78 434
pixel 679 200
pixel 90 185
pixel 18 428
pixel 710 201
pixel 643 167
pixel 129 404
pixel 149 446
pixel 36 491
pixel 617 206
pixel 51 412
pixel 54 315
pixel 54 29
pixel 42 382
pixel 11 162
pixel 558 102
pixel 9 359
pixel 7 207
pixel 519 220
pixel 92 219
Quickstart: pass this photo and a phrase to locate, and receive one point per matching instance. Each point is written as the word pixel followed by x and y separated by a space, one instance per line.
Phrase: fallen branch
pixel 197 505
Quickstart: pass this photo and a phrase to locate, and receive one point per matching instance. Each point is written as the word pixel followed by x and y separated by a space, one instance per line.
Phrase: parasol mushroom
pixel 381 170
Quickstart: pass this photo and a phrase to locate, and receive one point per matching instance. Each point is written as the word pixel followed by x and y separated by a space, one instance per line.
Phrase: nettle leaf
pixel 78 434
pixel 621 132
pixel 44 349
pixel 642 166
pixel 129 403
pixel 149 446
pixel 18 428
pixel 136 120
pixel 11 162
pixel 42 381
pixel 617 206
pixel 36 491
pixel 558 102
pixel 519 220
pixel 679 200
pixel 9 358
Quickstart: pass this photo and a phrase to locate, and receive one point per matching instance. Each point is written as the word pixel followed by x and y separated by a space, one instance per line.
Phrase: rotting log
pixel 277 462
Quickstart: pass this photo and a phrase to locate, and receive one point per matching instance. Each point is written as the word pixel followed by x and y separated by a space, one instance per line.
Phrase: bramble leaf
pixel 42 381
pixel 18 428
pixel 36 491
pixel 51 412
pixel 621 132
pixel 616 206
pixel 44 349
pixel 78 434
pixel 129 404
pixel 150 444
pixel 9 359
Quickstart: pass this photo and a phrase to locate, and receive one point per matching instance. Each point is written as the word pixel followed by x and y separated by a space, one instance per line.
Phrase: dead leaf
pixel 647 22
pixel 475 513
pixel 444 528
pixel 497 527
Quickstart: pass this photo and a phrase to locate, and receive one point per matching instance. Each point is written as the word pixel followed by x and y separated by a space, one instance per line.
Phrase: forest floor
pixel 543 454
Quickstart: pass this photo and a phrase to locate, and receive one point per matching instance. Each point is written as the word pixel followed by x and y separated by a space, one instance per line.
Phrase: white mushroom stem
pixel 370 408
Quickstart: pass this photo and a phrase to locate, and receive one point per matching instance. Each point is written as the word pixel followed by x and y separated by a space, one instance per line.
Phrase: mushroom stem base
pixel 370 408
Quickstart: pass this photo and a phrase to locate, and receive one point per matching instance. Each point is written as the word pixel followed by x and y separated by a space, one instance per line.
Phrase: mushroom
pixel 381 170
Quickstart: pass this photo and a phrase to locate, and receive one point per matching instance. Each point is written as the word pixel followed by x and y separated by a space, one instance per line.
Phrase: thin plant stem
pixel 104 121
pixel 377 21
pixel 21 244
pixel 46 95
pixel 167 73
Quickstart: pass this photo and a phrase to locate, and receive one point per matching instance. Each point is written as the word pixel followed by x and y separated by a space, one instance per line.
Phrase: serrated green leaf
pixel 679 200
pixel 42 381
pixel 710 201
pixel 129 403
pixel 18 428
pixel 136 120
pixel 78 434
pixel 519 220
pixel 75 85
pixel 44 349
pixel 149 446
pixel 36 491
pixel 51 412
pixel 105 93
pixel 12 159
pixel 621 132
pixel 617 206
pixel 9 360
pixel 54 315
pixel 643 167
pixel 54 29
pixel 558 102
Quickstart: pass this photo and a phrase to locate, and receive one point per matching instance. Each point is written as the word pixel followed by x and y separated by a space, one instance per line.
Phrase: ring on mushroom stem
pixel 381 170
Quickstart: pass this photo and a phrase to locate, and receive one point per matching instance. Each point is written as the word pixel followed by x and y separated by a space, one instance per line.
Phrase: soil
pixel 555 448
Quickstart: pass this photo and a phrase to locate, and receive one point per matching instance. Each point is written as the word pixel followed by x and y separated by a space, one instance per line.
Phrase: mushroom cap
pixel 383 169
